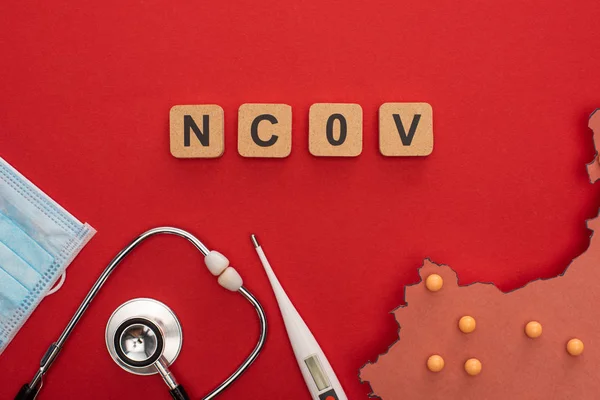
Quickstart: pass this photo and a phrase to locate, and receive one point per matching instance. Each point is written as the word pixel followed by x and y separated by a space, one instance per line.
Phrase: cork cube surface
pixel 335 130
pixel 196 131
pixel 265 130
pixel 405 129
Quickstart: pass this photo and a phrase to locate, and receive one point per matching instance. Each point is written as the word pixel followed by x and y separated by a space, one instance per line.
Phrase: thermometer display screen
pixel 317 373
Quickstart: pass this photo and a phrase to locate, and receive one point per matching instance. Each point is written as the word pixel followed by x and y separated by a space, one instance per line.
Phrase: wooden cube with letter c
pixel 335 130
pixel 197 131
pixel 265 130
pixel 405 129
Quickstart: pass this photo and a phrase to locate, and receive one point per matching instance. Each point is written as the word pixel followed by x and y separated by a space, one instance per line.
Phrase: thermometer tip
pixel 254 240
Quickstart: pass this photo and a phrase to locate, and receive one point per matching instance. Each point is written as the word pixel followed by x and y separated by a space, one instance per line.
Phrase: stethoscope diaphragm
pixel 140 332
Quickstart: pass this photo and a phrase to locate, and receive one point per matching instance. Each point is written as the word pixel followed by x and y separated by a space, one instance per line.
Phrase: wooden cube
pixel 335 130
pixel 265 130
pixel 197 131
pixel 405 129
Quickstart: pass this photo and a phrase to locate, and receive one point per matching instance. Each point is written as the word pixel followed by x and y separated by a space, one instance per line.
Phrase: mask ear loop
pixel 58 285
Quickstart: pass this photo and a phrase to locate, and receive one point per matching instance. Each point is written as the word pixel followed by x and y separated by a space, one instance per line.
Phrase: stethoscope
pixel 144 336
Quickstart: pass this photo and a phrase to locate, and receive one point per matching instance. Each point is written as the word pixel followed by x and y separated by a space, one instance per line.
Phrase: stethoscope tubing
pixel 54 349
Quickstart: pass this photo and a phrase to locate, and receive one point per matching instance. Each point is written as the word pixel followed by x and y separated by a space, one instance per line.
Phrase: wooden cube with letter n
pixel 405 129
pixel 335 130
pixel 265 130
pixel 197 131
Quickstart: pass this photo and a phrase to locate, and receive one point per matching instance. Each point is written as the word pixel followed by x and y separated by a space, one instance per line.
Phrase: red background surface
pixel 84 102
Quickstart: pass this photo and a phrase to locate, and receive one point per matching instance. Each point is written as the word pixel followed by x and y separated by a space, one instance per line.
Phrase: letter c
pixel 254 130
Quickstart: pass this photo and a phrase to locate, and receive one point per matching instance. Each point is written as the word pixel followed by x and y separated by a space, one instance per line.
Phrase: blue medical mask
pixel 38 240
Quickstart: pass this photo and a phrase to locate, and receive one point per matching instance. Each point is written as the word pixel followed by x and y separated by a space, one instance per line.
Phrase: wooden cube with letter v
pixel 197 131
pixel 405 129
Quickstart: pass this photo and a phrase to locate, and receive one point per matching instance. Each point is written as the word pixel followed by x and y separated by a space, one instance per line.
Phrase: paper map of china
pixel 514 366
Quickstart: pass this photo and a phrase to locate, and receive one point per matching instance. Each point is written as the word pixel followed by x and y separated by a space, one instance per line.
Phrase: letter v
pixel 407 139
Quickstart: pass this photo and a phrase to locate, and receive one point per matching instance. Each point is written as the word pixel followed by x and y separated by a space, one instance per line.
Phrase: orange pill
pixel 575 347
pixel 473 366
pixel 533 329
pixel 435 363
pixel 434 282
pixel 467 324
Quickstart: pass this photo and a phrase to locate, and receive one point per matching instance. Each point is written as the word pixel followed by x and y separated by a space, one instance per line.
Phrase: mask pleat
pixel 12 293
pixel 34 218
pixel 18 268
pixel 23 245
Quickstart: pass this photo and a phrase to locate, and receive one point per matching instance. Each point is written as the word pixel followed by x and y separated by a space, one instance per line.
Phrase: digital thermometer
pixel 316 370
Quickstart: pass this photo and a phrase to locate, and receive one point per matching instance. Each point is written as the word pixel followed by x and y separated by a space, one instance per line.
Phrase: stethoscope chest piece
pixel 141 332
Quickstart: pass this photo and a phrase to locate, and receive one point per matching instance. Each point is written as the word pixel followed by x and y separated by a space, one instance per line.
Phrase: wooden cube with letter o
pixel 335 130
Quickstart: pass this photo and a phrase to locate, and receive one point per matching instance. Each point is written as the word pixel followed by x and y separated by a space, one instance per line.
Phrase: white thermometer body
pixel 316 370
